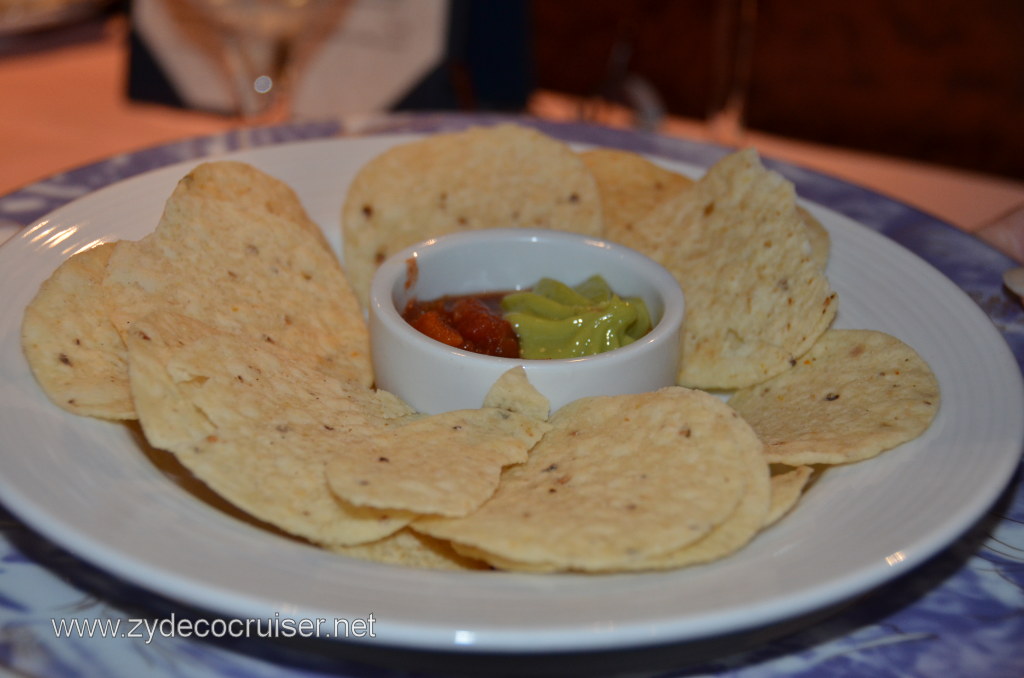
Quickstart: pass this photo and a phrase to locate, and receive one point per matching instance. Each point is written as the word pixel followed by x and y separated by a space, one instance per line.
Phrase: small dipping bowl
pixel 433 377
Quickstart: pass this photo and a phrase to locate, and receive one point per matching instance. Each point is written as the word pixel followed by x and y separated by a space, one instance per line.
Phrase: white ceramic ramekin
pixel 433 377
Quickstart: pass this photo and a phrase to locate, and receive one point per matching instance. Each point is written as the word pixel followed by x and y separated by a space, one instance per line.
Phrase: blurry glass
pixel 263 43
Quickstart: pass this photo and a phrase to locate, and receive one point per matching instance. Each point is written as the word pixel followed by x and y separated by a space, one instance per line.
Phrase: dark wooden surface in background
pixel 935 80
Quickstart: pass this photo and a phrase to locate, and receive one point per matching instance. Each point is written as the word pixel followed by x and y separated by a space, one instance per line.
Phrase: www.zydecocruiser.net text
pixel 277 626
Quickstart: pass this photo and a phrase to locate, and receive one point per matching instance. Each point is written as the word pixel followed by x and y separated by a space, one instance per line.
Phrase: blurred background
pixel 935 80
pixel 922 99
pixel 940 81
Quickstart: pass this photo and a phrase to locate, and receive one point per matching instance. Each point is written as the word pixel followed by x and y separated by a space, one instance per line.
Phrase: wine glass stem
pixel 259 71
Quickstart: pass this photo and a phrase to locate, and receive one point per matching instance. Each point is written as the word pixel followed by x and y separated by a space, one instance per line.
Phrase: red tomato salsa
pixel 471 322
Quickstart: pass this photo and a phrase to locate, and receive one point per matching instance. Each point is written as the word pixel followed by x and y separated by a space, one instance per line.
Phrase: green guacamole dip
pixel 554 320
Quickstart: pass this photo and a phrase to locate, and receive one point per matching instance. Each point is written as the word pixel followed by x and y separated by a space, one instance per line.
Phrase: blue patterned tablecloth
pixel 960 615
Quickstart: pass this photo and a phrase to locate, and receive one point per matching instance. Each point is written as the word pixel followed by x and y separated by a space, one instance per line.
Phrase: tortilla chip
pixel 630 186
pixel 273 434
pixel 444 464
pixel 854 395
pixel 234 249
pixel 817 237
pixel 737 530
pixel 514 392
pixel 618 480
pixel 74 351
pixel 755 298
pixel 411 549
pixel 486 177
pixel 788 485
pixel 256 423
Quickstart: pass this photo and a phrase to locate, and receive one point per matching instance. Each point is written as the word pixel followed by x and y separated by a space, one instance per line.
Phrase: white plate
pixel 89 485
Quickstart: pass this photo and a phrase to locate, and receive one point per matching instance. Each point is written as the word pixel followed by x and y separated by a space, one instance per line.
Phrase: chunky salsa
pixel 472 322
pixel 549 320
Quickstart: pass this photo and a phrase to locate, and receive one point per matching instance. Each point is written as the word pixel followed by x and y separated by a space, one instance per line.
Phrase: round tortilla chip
pixel 505 176
pixel 736 531
pixel 855 394
pixel 617 481
pixel 444 464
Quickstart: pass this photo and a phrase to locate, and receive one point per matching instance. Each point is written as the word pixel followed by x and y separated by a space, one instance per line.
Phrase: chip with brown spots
pixel 756 298
pixel 506 176
pixel 262 426
pixel 855 394
pixel 75 352
pixel 233 248
pixel 618 482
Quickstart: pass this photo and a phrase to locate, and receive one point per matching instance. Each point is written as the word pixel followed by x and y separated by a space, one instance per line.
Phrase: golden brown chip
pixel 618 480
pixel 855 394
pixel 486 177
pixel 630 186
pixel 74 351
pixel 755 298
